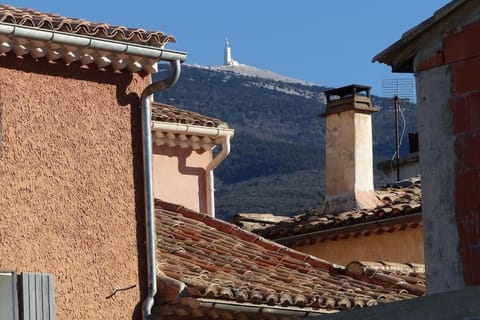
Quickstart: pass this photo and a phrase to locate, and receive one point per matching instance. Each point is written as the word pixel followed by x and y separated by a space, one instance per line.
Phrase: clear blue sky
pixel 326 42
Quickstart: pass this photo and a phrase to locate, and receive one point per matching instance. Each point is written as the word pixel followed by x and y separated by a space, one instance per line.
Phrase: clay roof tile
pixel 55 22
pixel 399 199
pixel 219 261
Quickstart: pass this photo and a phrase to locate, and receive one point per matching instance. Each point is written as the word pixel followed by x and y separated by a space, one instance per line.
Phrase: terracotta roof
pixel 186 129
pixel 167 113
pixel 204 264
pixel 402 205
pixel 55 22
pixel 54 37
pixel 252 221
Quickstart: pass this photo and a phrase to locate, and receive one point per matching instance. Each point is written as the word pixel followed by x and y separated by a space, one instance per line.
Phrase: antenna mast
pixel 397 89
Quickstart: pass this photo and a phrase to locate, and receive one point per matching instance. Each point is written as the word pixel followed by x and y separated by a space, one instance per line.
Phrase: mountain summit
pixel 249 71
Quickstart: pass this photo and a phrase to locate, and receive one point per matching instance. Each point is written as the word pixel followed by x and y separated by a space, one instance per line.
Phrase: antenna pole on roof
pixel 397 138
pixel 398 88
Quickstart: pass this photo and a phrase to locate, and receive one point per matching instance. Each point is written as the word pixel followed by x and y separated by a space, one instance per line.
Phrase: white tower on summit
pixel 227 53
pixel 228 61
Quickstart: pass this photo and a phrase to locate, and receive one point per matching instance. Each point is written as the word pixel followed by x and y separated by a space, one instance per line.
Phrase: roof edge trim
pixel 411 218
pixel 127 48
pixel 403 64
pixel 182 128
pixel 262 308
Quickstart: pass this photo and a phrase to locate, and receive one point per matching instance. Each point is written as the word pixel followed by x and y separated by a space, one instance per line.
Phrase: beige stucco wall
pixel 69 171
pixel 363 152
pixel 179 176
pixel 340 157
pixel 398 246
pixel 349 162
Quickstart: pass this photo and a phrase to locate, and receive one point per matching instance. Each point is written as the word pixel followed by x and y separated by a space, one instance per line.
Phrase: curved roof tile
pixel 55 22
pixel 167 113
pixel 399 199
pixel 218 260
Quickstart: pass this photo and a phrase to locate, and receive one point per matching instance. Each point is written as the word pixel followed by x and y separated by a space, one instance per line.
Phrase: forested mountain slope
pixel 277 159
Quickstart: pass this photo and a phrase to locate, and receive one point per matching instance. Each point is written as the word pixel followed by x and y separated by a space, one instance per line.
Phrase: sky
pixel 330 43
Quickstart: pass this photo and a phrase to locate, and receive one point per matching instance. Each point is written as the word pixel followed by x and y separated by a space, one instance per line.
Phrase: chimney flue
pixel 349 150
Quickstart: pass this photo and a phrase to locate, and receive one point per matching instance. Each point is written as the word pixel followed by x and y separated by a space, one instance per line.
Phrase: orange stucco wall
pixel 397 246
pixel 71 183
pixel 179 176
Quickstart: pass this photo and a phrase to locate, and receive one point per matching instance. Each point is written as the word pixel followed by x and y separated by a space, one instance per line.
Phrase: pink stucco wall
pixel 179 176
pixel 69 169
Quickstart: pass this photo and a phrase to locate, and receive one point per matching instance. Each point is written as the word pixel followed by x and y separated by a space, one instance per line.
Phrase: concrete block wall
pixel 458 62
pixel 462 54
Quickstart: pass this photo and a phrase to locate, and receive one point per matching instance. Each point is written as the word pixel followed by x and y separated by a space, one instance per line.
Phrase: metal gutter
pixel 416 217
pixel 181 128
pixel 146 100
pixel 82 41
pixel 261 309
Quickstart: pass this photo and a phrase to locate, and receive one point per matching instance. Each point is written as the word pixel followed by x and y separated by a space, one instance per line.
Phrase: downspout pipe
pixel 146 105
pixel 209 174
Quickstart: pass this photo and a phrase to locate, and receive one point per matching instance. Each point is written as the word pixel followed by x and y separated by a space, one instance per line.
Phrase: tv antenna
pixel 398 89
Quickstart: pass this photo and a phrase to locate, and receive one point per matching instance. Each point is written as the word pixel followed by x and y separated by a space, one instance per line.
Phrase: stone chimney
pixel 349 150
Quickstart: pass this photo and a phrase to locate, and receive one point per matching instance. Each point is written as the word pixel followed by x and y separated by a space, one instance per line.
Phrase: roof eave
pixel 187 135
pixel 412 218
pixel 262 308
pixel 400 55
pixel 53 45
pixel 205 307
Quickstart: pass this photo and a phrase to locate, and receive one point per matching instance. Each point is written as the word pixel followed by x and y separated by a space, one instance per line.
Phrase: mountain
pixel 277 159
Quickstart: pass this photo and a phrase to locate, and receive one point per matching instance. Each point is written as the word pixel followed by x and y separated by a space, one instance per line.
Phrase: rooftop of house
pixel 176 127
pixel 204 263
pixel 402 205
pixel 167 113
pixel 36 19
pixel 52 36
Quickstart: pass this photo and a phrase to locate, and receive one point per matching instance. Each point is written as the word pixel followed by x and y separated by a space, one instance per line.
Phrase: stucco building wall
pixel 179 176
pixel 340 154
pixel 349 155
pixel 71 177
pixel 447 68
pixel 399 246
pixel 442 261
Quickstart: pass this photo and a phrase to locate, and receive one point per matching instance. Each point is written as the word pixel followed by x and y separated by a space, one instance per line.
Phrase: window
pixel 33 300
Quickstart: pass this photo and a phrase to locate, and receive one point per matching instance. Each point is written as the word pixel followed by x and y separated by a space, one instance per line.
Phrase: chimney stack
pixel 349 150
